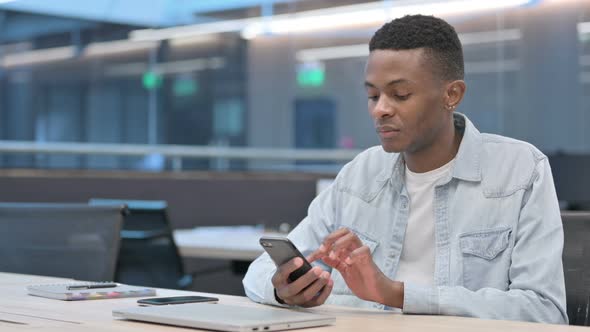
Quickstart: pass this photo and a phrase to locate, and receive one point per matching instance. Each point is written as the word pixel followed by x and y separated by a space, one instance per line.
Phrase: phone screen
pixel 177 300
pixel 282 250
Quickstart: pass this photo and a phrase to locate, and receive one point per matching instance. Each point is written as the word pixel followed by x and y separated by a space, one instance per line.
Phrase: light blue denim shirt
pixel 498 231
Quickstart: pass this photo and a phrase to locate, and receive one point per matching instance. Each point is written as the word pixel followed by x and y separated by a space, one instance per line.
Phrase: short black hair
pixel 438 38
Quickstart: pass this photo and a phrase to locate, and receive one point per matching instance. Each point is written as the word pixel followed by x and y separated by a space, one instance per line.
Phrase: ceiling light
pixel 583 28
pixel 193 40
pixel 362 50
pixel 373 13
pixel 486 37
pixel 368 14
pixel 190 30
pixel 336 52
pixel 117 47
pixel 37 56
pixel 165 68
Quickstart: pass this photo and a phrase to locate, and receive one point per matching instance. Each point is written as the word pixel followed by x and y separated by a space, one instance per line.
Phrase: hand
pixel 309 290
pixel 345 252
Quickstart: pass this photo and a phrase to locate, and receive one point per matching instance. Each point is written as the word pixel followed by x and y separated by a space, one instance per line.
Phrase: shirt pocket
pixel 485 258
pixel 340 287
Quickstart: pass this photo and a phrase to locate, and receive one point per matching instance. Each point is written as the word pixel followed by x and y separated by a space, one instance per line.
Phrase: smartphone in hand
pixel 176 300
pixel 282 250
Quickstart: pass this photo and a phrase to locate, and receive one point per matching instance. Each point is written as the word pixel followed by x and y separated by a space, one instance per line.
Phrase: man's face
pixel 405 99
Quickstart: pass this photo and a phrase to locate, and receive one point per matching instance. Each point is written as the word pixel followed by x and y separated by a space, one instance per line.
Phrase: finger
pixel 334 236
pixel 331 262
pixel 339 263
pixel 342 267
pixel 326 246
pixel 292 289
pixel 318 254
pixel 341 254
pixel 359 255
pixel 335 262
pixel 314 256
pixel 281 276
pixel 312 290
pixel 321 298
pixel 347 242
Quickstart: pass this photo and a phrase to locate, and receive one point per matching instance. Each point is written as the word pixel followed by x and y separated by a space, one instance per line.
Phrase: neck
pixel 439 153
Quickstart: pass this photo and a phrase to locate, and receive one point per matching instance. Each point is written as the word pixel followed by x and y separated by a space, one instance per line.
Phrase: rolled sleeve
pixel 420 300
pixel 307 237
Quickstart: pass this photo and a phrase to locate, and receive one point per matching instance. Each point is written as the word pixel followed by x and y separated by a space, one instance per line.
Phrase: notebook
pixel 224 317
pixel 76 291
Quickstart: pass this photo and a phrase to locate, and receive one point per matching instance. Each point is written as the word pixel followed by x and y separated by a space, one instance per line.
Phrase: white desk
pixel 233 242
pixel 21 312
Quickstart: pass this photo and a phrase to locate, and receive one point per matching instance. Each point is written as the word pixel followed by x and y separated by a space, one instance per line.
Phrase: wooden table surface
pixel 22 312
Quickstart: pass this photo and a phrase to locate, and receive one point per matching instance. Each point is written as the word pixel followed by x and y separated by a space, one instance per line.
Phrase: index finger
pixel 346 241
pixel 334 236
pixel 318 254
pixel 326 246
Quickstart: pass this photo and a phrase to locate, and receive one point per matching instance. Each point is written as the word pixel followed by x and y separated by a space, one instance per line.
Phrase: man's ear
pixel 454 93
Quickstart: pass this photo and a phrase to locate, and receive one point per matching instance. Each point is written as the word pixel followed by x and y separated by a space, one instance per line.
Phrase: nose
pixel 383 108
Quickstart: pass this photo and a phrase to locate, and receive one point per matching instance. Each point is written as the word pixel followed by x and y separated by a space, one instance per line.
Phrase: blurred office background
pixel 231 110
pixel 267 74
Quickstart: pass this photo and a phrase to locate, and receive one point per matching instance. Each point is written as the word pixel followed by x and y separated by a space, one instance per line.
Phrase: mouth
pixel 386 132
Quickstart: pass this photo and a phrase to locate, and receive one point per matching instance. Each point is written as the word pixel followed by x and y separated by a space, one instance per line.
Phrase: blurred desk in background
pixel 236 243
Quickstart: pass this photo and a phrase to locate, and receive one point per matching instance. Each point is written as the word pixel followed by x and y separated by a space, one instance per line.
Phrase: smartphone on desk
pixel 281 250
pixel 177 300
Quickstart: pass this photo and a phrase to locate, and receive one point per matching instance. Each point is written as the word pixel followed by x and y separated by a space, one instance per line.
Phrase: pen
pixel 92 286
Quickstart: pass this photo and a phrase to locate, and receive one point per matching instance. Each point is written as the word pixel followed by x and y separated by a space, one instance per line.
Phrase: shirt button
pixel 404 203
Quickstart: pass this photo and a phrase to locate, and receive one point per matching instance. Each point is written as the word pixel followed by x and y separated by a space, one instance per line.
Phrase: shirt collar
pixel 467 161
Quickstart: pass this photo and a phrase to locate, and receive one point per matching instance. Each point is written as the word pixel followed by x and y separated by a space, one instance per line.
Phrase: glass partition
pixel 241 80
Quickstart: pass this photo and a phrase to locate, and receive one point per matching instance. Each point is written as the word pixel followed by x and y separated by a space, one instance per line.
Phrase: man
pixel 440 219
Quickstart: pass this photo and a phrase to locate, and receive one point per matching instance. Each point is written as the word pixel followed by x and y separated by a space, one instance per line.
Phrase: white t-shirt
pixel 416 263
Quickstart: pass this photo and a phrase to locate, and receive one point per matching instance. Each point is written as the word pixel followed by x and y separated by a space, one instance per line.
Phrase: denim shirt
pixel 498 232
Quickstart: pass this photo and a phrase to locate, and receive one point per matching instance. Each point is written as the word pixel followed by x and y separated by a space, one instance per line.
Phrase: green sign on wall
pixel 151 80
pixel 311 74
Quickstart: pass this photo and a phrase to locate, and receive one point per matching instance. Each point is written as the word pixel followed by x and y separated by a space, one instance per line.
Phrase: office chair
pixel 148 255
pixel 576 264
pixel 62 240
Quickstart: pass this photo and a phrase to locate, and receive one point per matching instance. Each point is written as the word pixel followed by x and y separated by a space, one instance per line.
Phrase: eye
pixel 403 97
pixel 373 98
